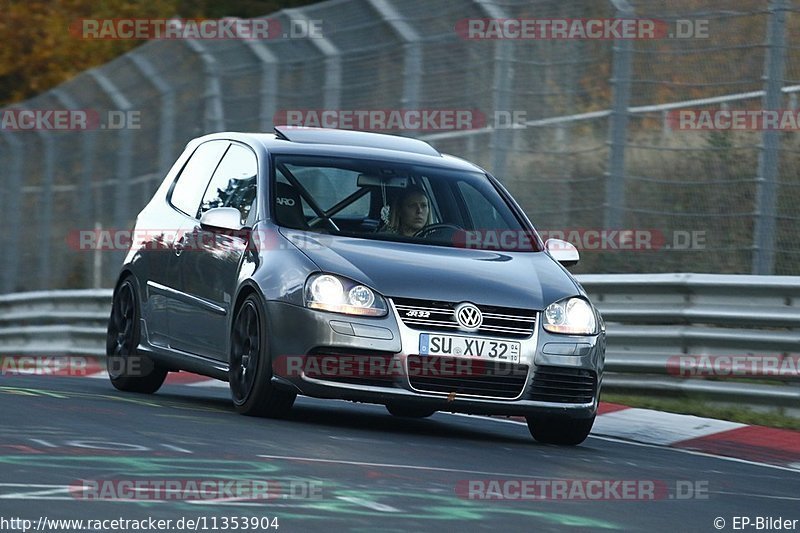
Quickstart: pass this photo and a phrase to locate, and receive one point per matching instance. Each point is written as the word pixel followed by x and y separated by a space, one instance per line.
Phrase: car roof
pixel 347 143
pixel 354 138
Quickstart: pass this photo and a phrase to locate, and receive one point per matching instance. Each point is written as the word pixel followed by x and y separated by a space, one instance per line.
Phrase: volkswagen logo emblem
pixel 468 316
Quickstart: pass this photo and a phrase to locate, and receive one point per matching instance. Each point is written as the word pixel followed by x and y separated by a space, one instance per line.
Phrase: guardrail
pixel 54 322
pixel 652 320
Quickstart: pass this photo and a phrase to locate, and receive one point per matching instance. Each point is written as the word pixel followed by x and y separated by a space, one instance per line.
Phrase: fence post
pixel 214 119
pixel 332 86
pixel 12 210
pixel 166 132
pixel 500 138
pixel 621 94
pixel 83 189
pixel 5 230
pixel 124 155
pixel 268 89
pixel 123 170
pixel 412 58
pixel 764 237
pixel 44 237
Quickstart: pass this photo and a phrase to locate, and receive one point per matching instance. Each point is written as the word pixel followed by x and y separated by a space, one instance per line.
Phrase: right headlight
pixel 341 295
pixel 571 316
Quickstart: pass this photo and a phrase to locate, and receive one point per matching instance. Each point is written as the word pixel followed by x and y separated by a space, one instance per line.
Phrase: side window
pixel 233 183
pixel 328 186
pixel 191 184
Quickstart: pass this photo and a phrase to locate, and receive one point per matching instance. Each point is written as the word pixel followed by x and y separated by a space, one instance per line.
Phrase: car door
pixel 165 300
pixel 210 265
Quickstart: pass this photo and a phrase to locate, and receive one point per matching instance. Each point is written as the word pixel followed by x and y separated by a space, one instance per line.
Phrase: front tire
pixel 128 370
pixel 560 430
pixel 250 370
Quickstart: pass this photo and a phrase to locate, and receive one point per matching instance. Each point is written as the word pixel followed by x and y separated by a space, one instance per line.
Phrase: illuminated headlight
pixel 341 295
pixel 573 316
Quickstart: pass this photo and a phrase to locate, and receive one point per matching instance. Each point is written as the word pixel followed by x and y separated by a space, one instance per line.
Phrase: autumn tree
pixel 38 51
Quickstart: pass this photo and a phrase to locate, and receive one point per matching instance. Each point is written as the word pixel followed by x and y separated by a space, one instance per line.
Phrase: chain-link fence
pixel 581 130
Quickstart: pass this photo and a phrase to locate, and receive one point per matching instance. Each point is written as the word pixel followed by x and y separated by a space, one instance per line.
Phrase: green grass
pixel 699 407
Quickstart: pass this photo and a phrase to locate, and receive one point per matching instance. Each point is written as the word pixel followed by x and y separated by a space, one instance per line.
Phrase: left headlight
pixel 341 295
pixel 571 316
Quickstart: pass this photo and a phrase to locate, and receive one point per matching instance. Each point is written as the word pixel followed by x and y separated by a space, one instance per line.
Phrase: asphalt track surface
pixel 337 466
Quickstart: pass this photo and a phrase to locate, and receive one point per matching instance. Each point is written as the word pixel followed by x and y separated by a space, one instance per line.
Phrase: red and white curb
pixel 707 435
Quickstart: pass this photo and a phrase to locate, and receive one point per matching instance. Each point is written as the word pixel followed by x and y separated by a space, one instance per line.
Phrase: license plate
pixel 457 346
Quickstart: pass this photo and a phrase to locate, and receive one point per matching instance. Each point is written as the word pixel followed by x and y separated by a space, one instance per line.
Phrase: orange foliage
pixel 38 51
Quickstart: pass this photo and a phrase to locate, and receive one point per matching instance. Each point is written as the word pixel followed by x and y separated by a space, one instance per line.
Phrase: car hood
pixel 528 280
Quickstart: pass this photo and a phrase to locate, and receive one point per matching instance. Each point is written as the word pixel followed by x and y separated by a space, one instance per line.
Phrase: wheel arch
pixel 124 274
pixel 247 288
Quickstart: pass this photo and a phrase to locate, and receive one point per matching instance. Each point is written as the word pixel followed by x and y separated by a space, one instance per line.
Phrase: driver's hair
pixel 397 201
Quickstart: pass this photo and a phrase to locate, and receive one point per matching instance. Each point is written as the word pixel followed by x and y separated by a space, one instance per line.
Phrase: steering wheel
pixel 445 229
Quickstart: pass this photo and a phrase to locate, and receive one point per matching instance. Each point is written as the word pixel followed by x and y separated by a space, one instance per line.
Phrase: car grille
pixel 563 385
pixel 472 377
pixel 440 316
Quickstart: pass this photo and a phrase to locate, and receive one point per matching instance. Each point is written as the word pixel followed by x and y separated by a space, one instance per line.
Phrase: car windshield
pixel 395 202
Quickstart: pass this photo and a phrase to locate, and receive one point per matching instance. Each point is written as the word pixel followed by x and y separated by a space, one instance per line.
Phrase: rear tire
pixel 559 430
pixel 128 370
pixel 409 411
pixel 250 371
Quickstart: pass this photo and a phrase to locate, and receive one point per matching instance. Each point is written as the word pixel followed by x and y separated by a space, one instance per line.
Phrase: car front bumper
pixel 297 335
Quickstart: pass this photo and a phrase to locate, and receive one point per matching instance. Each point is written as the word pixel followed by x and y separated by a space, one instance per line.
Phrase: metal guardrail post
pixel 621 84
pixel 125 153
pixel 45 209
pixel 332 86
pixel 12 210
pixel 500 139
pixel 166 132
pixel 412 57
pixel 6 154
pixel 84 191
pixel 268 89
pixel 214 119
pixel 767 187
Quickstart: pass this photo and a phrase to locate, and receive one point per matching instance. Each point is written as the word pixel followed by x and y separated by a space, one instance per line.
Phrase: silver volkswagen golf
pixel 357 266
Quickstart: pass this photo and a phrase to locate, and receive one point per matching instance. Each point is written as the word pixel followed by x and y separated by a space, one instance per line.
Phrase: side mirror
pixel 221 218
pixel 562 251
